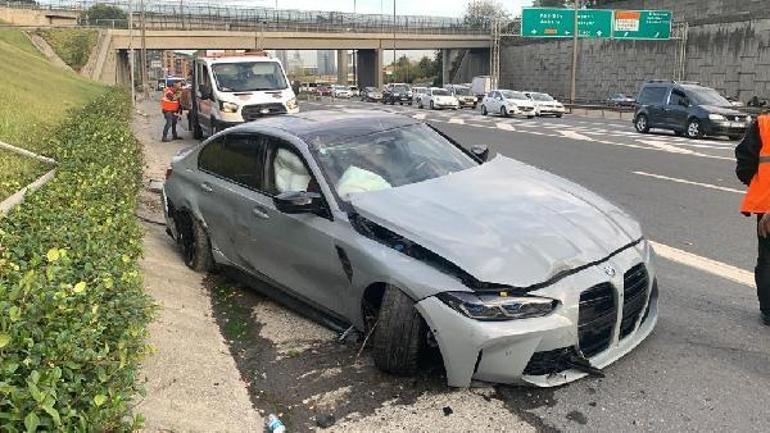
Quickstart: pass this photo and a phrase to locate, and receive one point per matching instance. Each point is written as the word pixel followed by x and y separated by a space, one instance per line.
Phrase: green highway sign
pixel 642 25
pixel 595 23
pixel 547 23
pixel 560 23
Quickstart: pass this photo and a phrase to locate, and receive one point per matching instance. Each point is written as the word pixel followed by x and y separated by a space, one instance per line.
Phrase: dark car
pixel 689 109
pixel 621 100
pixel 397 93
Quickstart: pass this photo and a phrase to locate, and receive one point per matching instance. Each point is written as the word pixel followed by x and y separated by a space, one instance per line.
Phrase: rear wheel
pixel 642 124
pixel 400 334
pixel 195 243
pixel 694 129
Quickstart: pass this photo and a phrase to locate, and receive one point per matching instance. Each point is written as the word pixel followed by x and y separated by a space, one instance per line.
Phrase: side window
pixel 678 98
pixel 204 84
pixel 286 169
pixel 236 158
pixel 653 95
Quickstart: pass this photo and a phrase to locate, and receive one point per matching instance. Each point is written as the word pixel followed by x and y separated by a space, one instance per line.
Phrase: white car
pixel 508 103
pixel 340 91
pixel 546 105
pixel 354 91
pixel 436 98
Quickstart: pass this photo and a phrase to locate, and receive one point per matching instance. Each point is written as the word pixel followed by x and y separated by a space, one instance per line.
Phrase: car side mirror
pixel 480 151
pixel 296 202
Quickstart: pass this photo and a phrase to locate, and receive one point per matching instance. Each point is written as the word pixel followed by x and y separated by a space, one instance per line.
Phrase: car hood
pixel 725 111
pixel 503 222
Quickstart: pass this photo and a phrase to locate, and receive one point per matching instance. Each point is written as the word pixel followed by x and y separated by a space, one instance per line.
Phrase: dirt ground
pixel 227 355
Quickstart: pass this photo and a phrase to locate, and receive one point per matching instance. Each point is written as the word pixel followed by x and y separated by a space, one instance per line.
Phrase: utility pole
pixel 573 90
pixel 394 36
pixel 131 50
pixel 145 87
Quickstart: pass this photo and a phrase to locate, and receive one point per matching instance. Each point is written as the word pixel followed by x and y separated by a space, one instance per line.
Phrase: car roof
pixel 323 126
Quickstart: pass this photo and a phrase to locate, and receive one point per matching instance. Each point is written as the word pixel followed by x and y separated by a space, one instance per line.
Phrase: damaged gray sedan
pixel 380 222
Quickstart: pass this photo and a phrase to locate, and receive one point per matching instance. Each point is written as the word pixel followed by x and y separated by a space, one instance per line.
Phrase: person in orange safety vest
pixel 171 108
pixel 753 169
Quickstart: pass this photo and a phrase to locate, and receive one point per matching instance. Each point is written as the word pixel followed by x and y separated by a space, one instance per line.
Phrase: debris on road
pixel 274 424
pixel 325 420
pixel 447 411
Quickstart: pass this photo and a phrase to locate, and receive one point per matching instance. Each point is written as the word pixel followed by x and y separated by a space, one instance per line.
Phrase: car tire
pixel 694 129
pixel 642 124
pixel 484 110
pixel 432 107
pixel 400 335
pixel 559 115
pixel 195 243
pixel 504 112
pixel 530 117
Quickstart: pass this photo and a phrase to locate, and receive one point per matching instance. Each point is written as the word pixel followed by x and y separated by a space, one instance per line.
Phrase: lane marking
pixel 575 135
pixel 505 126
pixel 457 121
pixel 660 145
pixel 419 116
pixel 704 264
pixel 689 182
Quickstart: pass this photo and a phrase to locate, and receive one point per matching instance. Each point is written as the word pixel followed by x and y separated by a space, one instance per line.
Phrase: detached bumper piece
pixel 254 112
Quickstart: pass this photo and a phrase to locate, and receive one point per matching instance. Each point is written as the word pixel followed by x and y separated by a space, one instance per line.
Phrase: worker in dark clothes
pixel 753 169
pixel 171 108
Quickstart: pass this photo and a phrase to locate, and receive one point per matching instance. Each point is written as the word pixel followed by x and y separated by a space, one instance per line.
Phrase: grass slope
pixel 72 45
pixel 35 94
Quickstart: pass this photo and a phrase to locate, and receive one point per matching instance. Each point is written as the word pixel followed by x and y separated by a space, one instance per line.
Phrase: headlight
pixel 228 107
pixel 497 305
pixel 291 103
pixel 748 119
pixel 717 117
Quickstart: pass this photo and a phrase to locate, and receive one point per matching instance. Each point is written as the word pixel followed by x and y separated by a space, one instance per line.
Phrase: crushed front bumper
pixel 533 351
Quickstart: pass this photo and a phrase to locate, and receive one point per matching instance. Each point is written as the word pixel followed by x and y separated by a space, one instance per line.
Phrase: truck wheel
pixel 400 336
pixel 195 243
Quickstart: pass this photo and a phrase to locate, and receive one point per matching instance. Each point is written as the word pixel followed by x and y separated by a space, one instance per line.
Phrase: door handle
pixel 206 187
pixel 260 212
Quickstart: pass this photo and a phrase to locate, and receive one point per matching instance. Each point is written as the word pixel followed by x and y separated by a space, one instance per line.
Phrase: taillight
pixel 168 172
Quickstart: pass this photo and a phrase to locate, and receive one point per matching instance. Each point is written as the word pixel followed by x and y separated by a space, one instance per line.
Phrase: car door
pixel 493 102
pixel 297 251
pixel 205 97
pixel 654 98
pixel 229 168
pixel 677 109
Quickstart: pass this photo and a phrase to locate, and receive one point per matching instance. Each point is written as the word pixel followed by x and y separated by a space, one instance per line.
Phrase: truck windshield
pixel 248 76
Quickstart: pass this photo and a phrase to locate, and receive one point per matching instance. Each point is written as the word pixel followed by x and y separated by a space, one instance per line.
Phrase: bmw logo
pixel 609 270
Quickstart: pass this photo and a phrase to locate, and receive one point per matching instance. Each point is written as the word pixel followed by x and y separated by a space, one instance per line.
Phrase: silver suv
pixel 380 222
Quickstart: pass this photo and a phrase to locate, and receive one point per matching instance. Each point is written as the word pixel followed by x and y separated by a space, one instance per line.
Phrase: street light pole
pixel 573 90
pixel 131 49
pixel 394 35
pixel 145 87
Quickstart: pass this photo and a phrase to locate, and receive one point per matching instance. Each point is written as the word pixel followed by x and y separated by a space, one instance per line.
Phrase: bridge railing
pixel 199 15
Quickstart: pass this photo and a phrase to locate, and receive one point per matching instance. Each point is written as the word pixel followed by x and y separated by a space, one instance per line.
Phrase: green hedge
pixel 73 313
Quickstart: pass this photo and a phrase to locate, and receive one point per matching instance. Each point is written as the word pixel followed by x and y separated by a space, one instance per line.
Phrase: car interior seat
pixel 290 172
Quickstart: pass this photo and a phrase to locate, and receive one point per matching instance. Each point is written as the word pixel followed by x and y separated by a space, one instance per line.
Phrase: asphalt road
pixel 707 365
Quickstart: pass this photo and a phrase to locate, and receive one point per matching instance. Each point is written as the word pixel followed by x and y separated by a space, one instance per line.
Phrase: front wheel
pixel 559 115
pixel 504 112
pixel 432 107
pixel 642 124
pixel 694 129
pixel 400 334
pixel 484 111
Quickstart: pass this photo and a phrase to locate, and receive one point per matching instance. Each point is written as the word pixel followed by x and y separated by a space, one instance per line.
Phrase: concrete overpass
pixel 369 45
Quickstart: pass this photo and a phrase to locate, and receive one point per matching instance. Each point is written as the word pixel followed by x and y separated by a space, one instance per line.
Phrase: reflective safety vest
pixel 169 102
pixel 757 199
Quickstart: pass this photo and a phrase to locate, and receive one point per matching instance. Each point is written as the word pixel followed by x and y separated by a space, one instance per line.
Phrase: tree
pixel 478 13
pixel 103 12
pixel 549 3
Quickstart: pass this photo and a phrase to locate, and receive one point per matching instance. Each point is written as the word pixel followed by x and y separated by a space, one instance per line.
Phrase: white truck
pixel 235 88
pixel 481 85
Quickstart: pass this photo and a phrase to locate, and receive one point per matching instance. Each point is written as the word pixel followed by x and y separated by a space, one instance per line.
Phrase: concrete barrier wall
pixel 38 17
pixel 728 47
